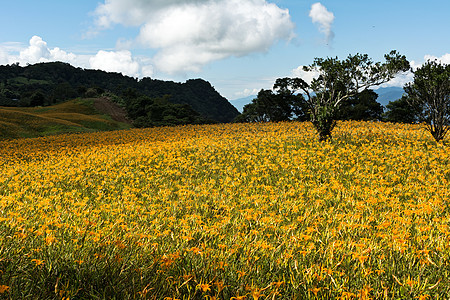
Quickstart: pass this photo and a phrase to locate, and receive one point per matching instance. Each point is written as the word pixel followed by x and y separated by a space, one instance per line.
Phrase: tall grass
pixel 76 115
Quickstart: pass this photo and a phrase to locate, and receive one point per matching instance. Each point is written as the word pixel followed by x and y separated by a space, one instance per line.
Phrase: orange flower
pixel 38 262
pixel 3 288
pixel 314 290
pixel 204 287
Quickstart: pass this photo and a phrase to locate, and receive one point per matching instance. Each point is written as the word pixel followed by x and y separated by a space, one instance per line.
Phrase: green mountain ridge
pixel 55 82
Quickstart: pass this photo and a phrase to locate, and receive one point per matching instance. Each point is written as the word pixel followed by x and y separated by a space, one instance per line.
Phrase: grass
pixel 239 211
pixel 73 116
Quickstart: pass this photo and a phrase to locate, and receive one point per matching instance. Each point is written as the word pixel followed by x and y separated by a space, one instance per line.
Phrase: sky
pixel 239 46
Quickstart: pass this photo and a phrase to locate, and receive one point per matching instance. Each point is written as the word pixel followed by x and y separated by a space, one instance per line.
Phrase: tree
pixel 258 110
pixel 37 99
pixel 361 107
pixel 283 105
pixel 401 111
pixel 431 90
pixel 339 80
pixel 286 89
pixel 150 112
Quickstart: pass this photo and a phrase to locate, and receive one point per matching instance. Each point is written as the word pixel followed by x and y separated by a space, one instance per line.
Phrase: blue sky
pixel 240 46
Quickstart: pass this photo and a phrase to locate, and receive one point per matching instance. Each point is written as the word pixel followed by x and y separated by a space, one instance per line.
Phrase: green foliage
pixel 284 105
pixel 91 93
pixel 431 90
pixel 402 111
pixel 38 99
pixel 151 112
pixel 264 108
pixel 361 107
pixel 325 121
pixel 340 80
pixel 59 82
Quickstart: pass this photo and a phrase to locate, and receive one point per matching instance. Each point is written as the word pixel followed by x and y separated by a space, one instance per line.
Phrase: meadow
pixel 78 115
pixel 236 211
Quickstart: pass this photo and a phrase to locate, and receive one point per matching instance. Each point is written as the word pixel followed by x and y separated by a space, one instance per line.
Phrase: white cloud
pixel 402 79
pixel 306 76
pixel 247 92
pixel 4 58
pixel 398 81
pixel 111 61
pixel 121 62
pixel 192 33
pixel 57 54
pixel 444 59
pixel 324 18
pixel 36 52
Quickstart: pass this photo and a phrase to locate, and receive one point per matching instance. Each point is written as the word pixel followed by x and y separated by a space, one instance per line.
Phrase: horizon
pixel 240 47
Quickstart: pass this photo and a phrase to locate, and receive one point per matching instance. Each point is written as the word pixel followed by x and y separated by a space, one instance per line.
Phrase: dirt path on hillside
pixel 107 107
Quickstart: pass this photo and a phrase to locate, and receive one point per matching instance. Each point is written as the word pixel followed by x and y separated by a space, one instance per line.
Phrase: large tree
pixel 340 80
pixel 281 104
pixel 431 90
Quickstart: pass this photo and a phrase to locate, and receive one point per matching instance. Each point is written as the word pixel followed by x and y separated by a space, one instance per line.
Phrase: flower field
pixel 238 211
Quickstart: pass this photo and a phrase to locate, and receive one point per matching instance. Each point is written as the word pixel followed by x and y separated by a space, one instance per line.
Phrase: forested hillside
pixel 49 83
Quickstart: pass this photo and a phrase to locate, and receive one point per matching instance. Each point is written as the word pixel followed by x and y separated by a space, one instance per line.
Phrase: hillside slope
pixel 49 83
pixel 80 115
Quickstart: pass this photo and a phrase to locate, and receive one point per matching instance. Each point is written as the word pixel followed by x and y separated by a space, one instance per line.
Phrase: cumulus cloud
pixel 402 79
pixel 444 59
pixel 324 19
pixel 112 61
pixel 189 34
pixel 37 51
pixel 398 81
pixel 60 55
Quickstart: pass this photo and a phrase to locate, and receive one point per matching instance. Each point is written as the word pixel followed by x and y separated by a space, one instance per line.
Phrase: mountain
pixel 241 102
pixel 385 95
pixel 55 82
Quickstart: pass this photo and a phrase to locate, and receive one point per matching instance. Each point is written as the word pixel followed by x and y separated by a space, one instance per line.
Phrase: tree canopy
pixel 402 111
pixel 340 80
pixel 361 107
pixel 431 91
pixel 281 104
